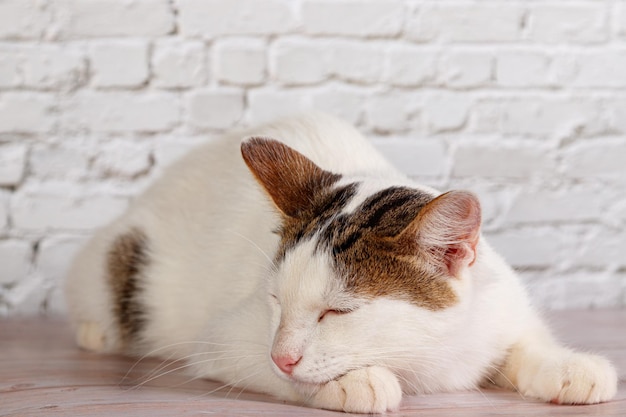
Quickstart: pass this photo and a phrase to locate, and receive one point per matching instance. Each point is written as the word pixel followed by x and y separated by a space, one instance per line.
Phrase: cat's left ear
pixel 447 231
pixel 291 179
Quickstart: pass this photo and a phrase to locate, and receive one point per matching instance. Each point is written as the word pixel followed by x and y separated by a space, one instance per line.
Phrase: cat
pixel 298 262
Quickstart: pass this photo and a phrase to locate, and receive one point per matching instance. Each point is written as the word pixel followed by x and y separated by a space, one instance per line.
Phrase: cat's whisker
pixel 154 352
pixel 508 380
pixel 168 362
pixel 232 385
pixel 188 365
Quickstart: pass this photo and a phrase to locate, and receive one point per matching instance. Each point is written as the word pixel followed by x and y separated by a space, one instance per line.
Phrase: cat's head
pixel 364 270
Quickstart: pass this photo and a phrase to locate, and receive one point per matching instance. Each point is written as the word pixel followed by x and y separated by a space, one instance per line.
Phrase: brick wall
pixel 523 102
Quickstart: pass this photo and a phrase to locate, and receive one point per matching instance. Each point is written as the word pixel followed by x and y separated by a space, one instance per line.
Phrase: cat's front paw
pixel 367 390
pixel 575 378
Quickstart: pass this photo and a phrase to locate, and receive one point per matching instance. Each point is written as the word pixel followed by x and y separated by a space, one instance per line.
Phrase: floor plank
pixel 42 373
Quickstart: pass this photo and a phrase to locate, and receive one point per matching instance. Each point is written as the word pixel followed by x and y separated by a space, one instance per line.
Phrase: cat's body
pixel 338 287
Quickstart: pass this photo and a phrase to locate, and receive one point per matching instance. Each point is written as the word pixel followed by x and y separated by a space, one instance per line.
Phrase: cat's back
pixel 213 183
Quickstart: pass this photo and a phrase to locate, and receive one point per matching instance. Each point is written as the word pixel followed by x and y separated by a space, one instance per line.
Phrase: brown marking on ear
pixel 292 180
pixel 126 261
pixel 375 262
pixel 324 207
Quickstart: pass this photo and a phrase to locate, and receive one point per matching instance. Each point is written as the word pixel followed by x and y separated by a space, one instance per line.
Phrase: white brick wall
pixel 523 102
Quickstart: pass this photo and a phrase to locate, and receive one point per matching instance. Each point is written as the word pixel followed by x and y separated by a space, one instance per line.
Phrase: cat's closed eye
pixel 333 311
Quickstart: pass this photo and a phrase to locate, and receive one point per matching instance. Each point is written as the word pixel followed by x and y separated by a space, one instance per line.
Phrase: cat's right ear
pixel 291 179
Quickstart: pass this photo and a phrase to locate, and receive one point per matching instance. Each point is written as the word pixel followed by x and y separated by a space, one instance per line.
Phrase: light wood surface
pixel 42 373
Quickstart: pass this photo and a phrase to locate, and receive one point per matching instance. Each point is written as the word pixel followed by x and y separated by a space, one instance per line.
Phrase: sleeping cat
pixel 300 263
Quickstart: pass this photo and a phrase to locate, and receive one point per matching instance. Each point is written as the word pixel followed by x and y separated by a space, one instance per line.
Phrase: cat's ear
pixel 291 179
pixel 447 231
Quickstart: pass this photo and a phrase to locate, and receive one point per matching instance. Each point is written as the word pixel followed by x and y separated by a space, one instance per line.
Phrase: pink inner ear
pixel 448 228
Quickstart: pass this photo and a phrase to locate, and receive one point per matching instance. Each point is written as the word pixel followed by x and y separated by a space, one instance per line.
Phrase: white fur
pixel 213 294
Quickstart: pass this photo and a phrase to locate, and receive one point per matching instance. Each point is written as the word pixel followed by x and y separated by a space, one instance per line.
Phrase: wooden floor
pixel 42 373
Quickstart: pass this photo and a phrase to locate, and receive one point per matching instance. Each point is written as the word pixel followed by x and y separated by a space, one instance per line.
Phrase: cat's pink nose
pixel 286 363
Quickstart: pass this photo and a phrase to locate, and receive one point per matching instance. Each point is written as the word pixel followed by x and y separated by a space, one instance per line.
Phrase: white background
pixel 523 102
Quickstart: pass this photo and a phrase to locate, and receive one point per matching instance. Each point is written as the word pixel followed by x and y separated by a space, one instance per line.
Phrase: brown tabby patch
pixel 367 250
pixel 326 204
pixel 126 261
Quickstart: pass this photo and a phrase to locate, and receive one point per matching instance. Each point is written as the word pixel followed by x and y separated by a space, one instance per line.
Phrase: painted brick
pixel 352 18
pixel 357 61
pixel 123 159
pixel 343 102
pixel 23 19
pixel 27 113
pixel 566 22
pixel 409 66
pixel 617 213
pixel 616 108
pixel 214 109
pixel 102 18
pixel 604 248
pixel 119 64
pixel 15 258
pixel 522 69
pixel 564 69
pixel 54 258
pixel 499 160
pixel 59 161
pixel 58 209
pixel 28 297
pixel 446 111
pixel 12 164
pixel 4 210
pixel 620 19
pixel 121 112
pixel 539 116
pixel 54 303
pixel 240 61
pixel 582 290
pixel 41 66
pixel 604 68
pixel 267 104
pixel 179 64
pixel 466 23
pixel 389 112
pixel 300 62
pixel 529 247
pixel 415 158
pixel 596 158
pixel 556 206
pixel 210 18
pixel 462 69
pixel 9 64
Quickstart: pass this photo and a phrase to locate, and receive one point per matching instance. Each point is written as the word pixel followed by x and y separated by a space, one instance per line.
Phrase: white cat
pixel 332 280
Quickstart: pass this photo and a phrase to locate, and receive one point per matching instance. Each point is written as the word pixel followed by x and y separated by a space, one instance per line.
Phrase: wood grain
pixel 42 373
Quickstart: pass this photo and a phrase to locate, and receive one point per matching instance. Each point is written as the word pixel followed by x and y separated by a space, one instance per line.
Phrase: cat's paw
pixel 574 378
pixel 90 336
pixel 366 390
